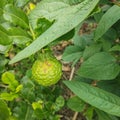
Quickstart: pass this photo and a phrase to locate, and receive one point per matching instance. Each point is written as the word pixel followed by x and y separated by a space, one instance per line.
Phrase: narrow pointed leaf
pixel 69 17
pixel 108 19
pixel 96 97
pixel 16 16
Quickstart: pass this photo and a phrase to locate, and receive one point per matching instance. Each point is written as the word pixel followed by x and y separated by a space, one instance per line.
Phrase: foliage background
pixel 91 29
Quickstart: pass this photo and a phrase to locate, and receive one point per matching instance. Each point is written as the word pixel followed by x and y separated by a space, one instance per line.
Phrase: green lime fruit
pixel 47 70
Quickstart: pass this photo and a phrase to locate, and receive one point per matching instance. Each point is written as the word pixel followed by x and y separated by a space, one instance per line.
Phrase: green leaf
pixel 59 103
pixel 21 3
pixel 110 35
pixel 83 40
pixel 16 16
pixel 19 36
pixel 8 96
pixel 98 16
pixel 9 78
pixel 24 111
pixel 2 4
pixel 37 105
pixel 3 62
pixel 29 88
pixel 96 97
pixel 106 44
pixel 104 1
pixel 4 50
pixel 19 88
pixel 76 104
pixel 96 10
pixel 101 66
pixel 104 116
pixel 108 19
pixel 89 113
pixel 73 2
pixel 115 48
pixel 72 53
pixel 4 38
pixel 112 86
pixel 13 118
pixel 91 50
pixel 42 25
pixel 66 36
pixel 66 18
pixel 4 111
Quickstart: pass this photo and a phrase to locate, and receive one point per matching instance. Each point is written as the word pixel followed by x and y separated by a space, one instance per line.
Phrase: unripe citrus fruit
pixel 47 70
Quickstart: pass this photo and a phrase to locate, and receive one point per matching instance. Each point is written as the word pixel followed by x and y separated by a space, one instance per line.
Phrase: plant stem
pixel 32 32
pixel 27 113
pixel 71 76
pixel 4 86
pixel 72 73
pixel 75 116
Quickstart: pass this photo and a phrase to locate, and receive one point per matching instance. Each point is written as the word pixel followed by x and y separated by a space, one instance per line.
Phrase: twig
pixel 4 86
pixel 75 116
pixel 72 73
pixel 71 76
pixel 65 77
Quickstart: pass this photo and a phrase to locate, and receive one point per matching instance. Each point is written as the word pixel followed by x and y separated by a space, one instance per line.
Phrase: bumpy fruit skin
pixel 47 70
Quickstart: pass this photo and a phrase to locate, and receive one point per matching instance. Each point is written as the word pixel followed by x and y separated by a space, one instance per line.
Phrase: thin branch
pixel 72 73
pixel 75 116
pixel 71 76
pixel 4 86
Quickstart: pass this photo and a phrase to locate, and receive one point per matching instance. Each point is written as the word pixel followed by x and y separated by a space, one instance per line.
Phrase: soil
pixel 66 113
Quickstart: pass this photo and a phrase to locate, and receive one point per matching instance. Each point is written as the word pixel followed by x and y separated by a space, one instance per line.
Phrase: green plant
pixel 25 32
